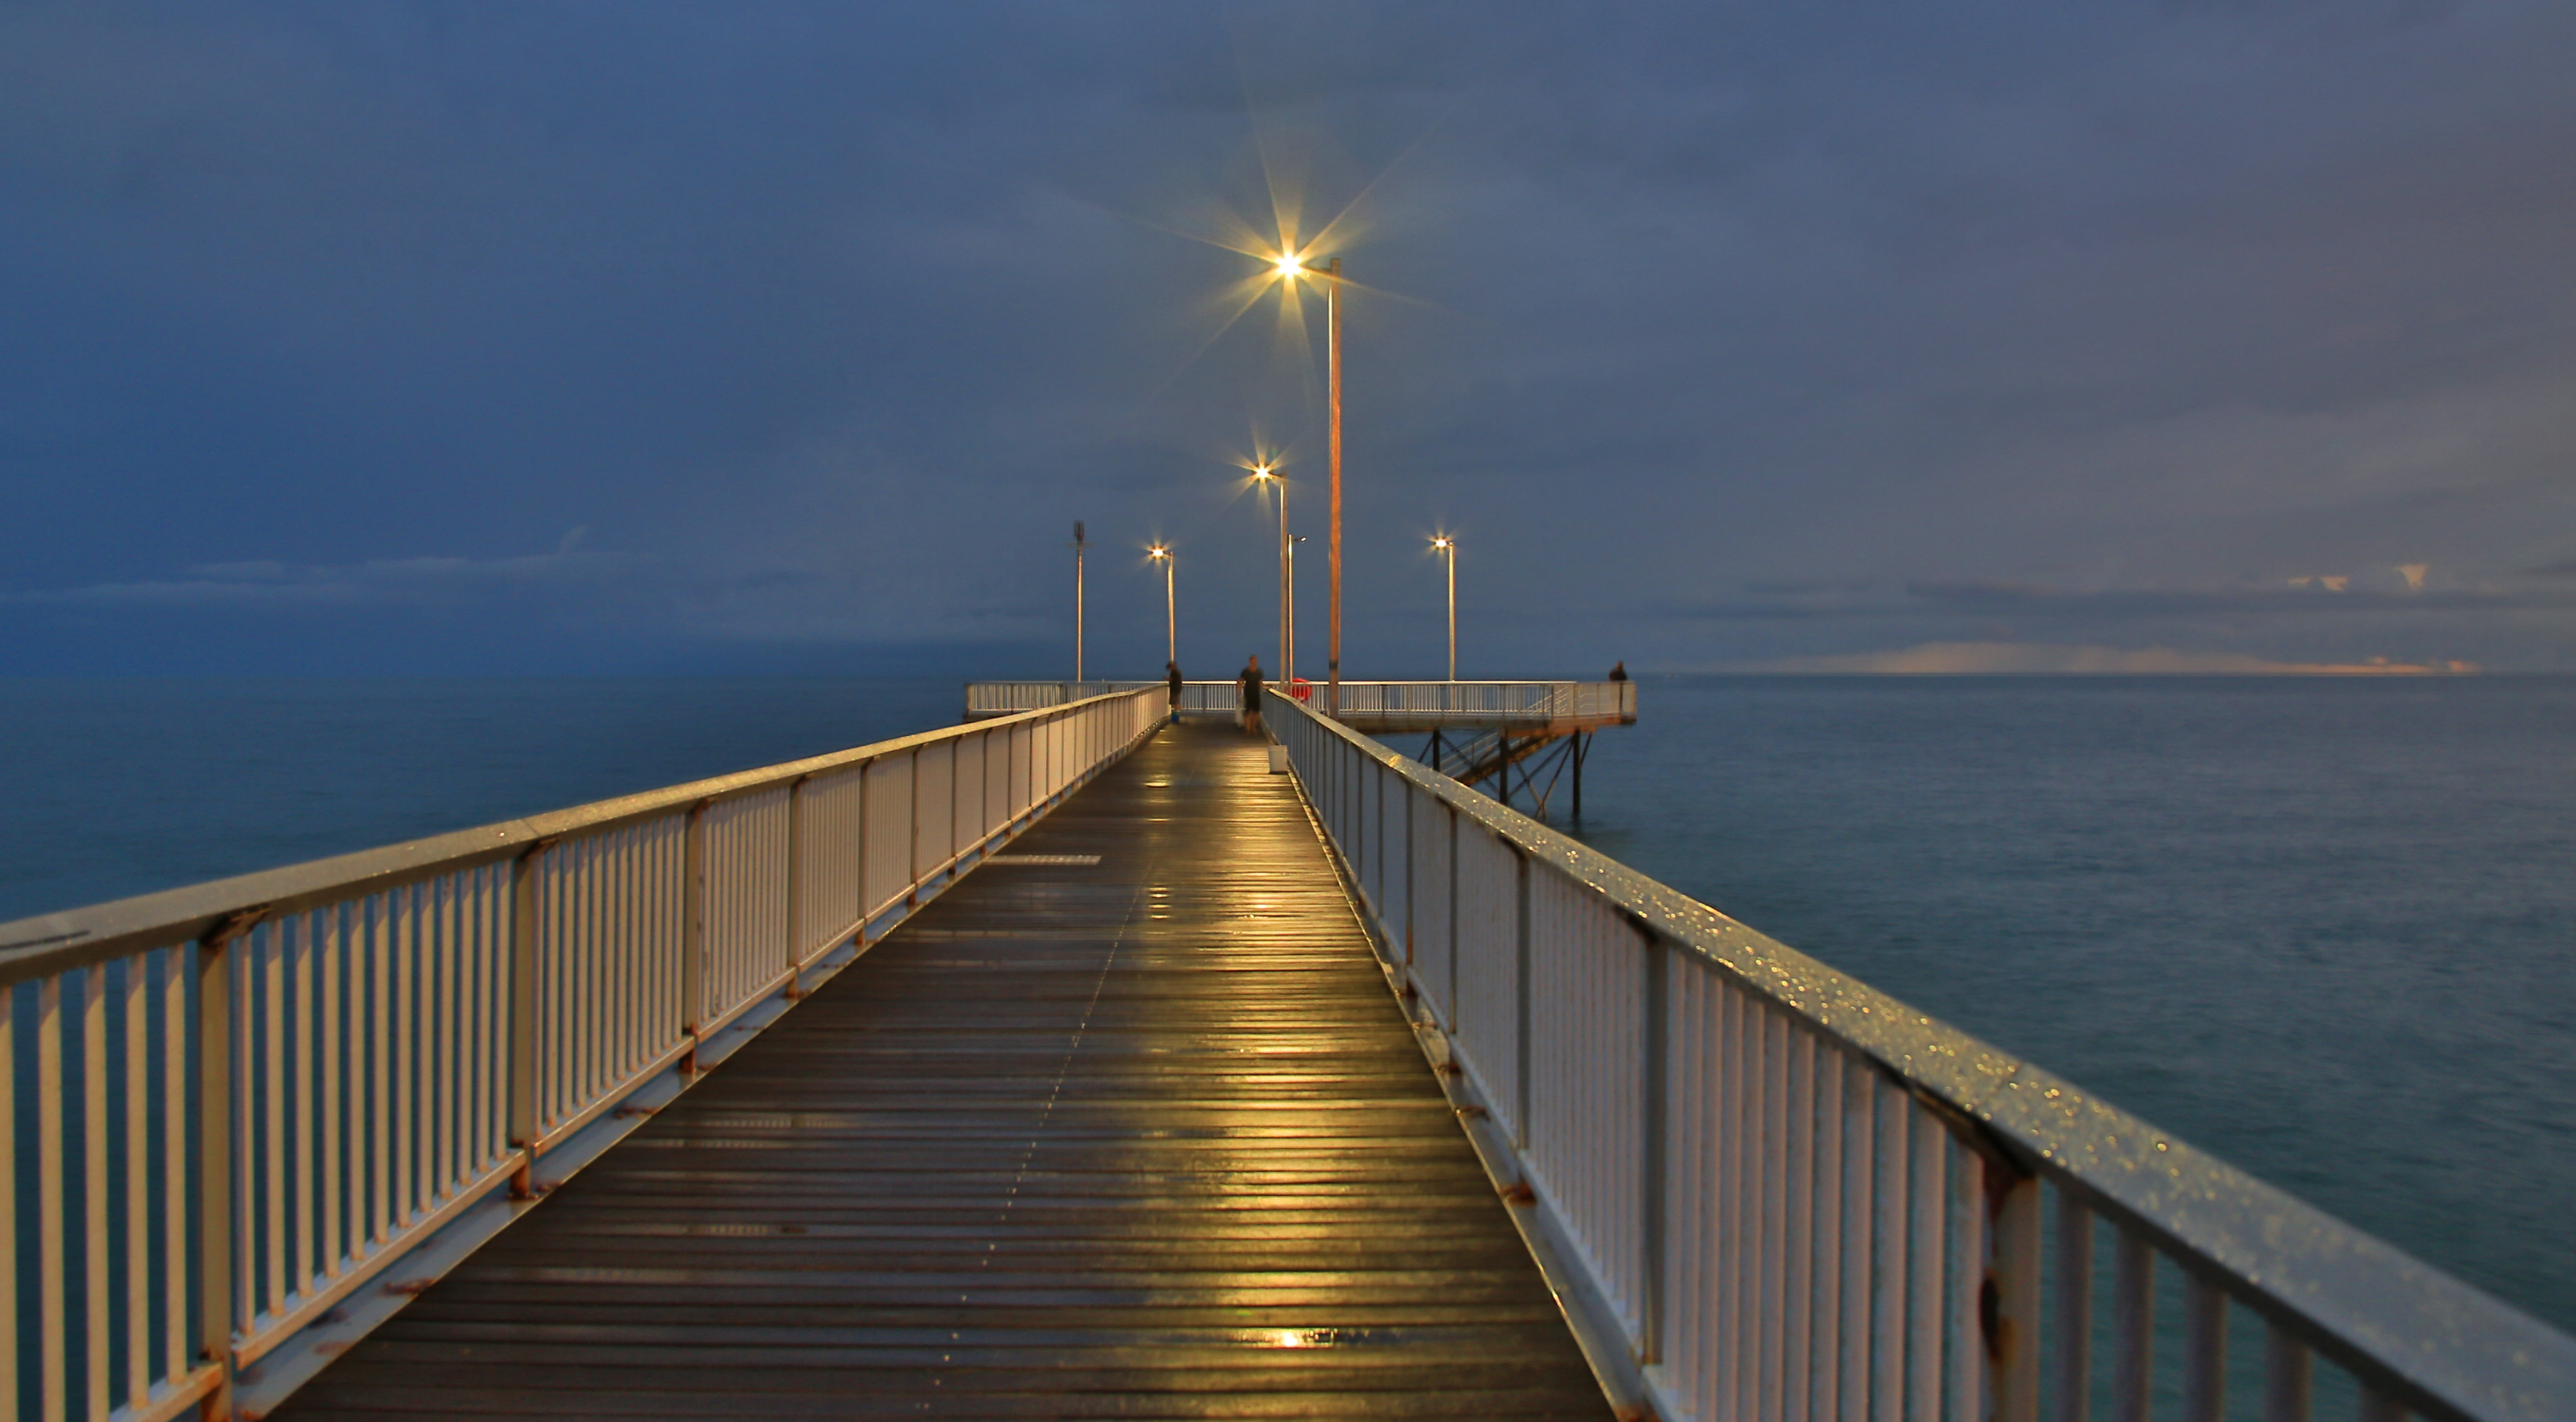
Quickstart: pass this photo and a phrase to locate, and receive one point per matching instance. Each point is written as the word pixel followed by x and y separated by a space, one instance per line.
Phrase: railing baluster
pixel 1655 1071
pixel 2378 1406
pixel 1860 1146
pixel 520 1111
pixel 2072 1321
pixel 135 998
pixel 1825 1353
pixel 449 1044
pixel 2204 1379
pixel 2012 1388
pixel 1929 1196
pixel 1796 1244
pixel 52 1303
pixel 176 1345
pixel 693 929
pixel 94 1213
pixel 1772 1200
pixel 2289 1379
pixel 1887 1335
pixel 9 1198
pixel 2133 1328
pixel 1735 1253
pixel 376 923
pixel 1963 1334
pixel 217 1232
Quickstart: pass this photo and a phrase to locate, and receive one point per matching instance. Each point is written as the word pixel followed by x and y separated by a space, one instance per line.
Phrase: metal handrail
pixel 1713 1127
pixel 301 1091
pixel 1478 701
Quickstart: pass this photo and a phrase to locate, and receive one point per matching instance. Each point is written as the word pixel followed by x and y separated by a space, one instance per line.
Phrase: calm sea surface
pixel 2325 928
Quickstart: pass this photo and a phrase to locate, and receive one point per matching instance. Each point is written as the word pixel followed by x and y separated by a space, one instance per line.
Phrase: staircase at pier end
pixel 1069 1063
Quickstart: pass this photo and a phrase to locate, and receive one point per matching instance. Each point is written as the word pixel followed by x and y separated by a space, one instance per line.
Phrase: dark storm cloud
pixel 1725 334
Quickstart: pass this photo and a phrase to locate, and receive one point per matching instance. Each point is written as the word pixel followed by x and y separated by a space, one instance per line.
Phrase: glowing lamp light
pixel 1290 264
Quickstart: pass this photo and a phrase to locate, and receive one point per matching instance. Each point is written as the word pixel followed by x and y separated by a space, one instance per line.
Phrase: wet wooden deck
pixel 1144 1137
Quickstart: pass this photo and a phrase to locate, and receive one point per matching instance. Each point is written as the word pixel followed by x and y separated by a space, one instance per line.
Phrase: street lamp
pixel 1162 553
pixel 1448 548
pixel 1290 266
pixel 1263 475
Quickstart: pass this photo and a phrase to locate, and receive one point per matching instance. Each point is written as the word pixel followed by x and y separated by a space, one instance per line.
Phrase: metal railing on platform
pixel 1426 703
pixel 1004 698
pixel 259 1105
pixel 1773 1193
pixel 1488 703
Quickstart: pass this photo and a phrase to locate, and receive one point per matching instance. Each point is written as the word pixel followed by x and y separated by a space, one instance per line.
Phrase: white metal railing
pixel 1777 1195
pixel 240 1104
pixel 1003 698
pixel 1426 703
pixel 1487 702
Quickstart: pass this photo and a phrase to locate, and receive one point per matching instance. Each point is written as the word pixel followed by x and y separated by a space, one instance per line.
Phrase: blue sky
pixel 361 337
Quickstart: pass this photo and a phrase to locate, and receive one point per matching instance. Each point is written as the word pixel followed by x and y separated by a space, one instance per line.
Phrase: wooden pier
pixel 1126 1124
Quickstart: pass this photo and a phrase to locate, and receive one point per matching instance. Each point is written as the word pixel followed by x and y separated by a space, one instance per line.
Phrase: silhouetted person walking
pixel 1172 678
pixel 1250 683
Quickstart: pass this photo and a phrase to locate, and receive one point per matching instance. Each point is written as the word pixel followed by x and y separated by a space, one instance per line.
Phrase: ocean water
pixel 2324 928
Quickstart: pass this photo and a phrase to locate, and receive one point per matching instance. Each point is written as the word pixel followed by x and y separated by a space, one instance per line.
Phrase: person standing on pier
pixel 1250 682
pixel 1172 678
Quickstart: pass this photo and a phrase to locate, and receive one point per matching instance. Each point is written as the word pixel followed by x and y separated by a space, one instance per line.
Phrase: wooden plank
pixel 1142 1138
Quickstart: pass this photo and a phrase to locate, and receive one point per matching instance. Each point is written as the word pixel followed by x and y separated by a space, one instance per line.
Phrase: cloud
pixel 267 583
pixel 2041 658
pixel 2009 324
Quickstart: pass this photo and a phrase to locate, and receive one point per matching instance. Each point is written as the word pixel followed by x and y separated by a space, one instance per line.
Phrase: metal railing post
pixel 693 936
pixel 1520 1001
pixel 1409 799
pixel 2074 1309
pixel 795 889
pixel 218 1235
pixel 2012 1353
pixel 2289 1383
pixel 1652 1227
pixel 2204 1358
pixel 2133 1329
pixel 522 1105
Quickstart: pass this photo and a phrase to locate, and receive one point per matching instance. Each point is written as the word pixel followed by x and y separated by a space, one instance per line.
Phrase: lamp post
pixel 1078 546
pixel 1289 684
pixel 1290 267
pixel 1448 547
pixel 1269 479
pixel 1162 553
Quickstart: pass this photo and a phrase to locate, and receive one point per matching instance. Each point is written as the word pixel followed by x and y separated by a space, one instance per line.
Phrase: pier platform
pixel 1125 1124
pixel 1494 735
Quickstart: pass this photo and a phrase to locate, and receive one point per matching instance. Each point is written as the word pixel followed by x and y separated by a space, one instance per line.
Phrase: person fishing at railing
pixel 1250 684
pixel 1172 679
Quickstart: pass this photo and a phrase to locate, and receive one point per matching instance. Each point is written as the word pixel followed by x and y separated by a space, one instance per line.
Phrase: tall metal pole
pixel 1287 597
pixel 1450 547
pixel 1289 685
pixel 1333 377
pixel 1171 623
pixel 1078 546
